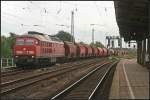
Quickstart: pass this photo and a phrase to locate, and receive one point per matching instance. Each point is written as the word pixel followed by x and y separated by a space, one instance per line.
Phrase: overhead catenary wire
pixel 97 8
pixel 13 18
pixel 16 9
pixel 68 3
pixel 10 19
pixel 45 11
pixel 53 14
pixel 60 7
pixel 17 17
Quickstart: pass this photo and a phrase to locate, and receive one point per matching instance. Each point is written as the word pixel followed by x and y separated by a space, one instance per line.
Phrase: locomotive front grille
pixel 24 59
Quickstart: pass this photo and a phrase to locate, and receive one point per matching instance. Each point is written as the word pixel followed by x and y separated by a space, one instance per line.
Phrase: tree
pixel 7 44
pixel 64 36
pixel 97 44
pixel 82 43
pixel 12 34
pixel 12 39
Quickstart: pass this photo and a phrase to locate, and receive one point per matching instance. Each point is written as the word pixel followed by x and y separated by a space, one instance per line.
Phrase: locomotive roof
pixel 111 49
pixel 68 42
pixel 105 49
pixel 79 44
pixel 42 37
pixel 87 46
pixel 99 48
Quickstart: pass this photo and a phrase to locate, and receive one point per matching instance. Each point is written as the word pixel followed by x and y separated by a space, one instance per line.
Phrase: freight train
pixel 40 49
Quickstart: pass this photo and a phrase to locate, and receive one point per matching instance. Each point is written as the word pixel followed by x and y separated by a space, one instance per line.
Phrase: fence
pixel 7 62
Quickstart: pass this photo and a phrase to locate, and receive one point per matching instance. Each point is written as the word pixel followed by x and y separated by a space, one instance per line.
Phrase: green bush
pixel 7 44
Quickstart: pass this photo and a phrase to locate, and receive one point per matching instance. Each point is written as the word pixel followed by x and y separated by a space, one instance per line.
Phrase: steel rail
pixel 12 72
pixel 102 79
pixel 51 71
pixel 77 82
pixel 12 89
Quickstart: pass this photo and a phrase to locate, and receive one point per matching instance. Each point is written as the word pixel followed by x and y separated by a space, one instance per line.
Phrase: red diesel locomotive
pixel 39 49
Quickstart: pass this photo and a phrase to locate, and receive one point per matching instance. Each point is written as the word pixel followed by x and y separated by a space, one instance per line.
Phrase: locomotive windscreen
pixel 33 32
pixel 20 42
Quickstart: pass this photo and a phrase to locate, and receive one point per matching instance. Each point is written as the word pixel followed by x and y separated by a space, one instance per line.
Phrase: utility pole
pixel 72 25
pixel 93 31
pixel 120 43
pixel 93 35
pixel 113 43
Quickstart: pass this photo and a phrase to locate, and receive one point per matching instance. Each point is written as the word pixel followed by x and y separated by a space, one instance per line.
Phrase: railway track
pixel 15 71
pixel 12 71
pixel 14 85
pixel 86 87
pixel 16 75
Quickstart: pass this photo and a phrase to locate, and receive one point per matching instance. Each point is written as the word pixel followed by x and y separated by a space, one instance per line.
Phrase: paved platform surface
pixel 130 81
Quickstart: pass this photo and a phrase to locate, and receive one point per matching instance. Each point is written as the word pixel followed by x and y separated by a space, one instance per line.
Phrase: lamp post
pixel 93 31
pixel 72 24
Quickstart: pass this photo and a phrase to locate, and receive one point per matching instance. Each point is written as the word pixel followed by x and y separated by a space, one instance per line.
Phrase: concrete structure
pixel 130 81
pixel 132 19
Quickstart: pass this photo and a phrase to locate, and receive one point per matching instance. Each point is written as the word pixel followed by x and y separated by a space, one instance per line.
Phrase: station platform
pixel 130 81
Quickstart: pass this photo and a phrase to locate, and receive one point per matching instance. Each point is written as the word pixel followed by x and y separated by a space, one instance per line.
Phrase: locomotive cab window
pixel 29 42
pixel 20 42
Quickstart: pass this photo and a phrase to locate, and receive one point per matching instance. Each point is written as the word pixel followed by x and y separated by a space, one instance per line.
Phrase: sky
pixel 21 16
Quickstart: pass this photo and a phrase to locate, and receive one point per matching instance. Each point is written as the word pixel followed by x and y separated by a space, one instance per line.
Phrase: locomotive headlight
pixel 36 42
pixel 16 56
pixel 32 56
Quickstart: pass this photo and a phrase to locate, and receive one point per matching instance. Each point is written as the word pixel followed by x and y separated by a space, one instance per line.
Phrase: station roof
pixel 132 18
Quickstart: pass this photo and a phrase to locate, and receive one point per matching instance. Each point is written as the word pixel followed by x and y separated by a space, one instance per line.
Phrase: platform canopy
pixel 132 18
